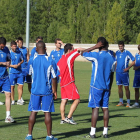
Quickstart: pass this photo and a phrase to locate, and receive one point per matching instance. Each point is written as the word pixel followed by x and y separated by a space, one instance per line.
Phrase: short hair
pixel 39 37
pixel 67 47
pixel 103 40
pixel 57 39
pixel 13 43
pixel 40 44
pixel 2 40
pixel 139 47
pixel 121 43
pixel 20 38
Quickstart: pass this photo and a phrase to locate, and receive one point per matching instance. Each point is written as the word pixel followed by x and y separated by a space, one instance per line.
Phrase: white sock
pixel 7 114
pixel 128 101
pixel 121 100
pixel 93 130
pixel 29 135
pixel 105 130
pixel 50 136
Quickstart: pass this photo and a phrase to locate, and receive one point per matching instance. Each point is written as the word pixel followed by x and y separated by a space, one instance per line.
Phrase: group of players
pixel 44 72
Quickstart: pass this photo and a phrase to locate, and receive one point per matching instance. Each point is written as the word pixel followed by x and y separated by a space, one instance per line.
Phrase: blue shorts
pixel 122 78
pixel 5 85
pixel 16 78
pixel 47 103
pixel 136 82
pixel 26 78
pixel 98 98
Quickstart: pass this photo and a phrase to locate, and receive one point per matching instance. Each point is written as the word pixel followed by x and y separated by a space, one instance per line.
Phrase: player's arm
pixel 136 67
pixel 54 87
pixel 6 64
pixel 28 56
pixel 62 43
pixel 132 64
pixel 14 66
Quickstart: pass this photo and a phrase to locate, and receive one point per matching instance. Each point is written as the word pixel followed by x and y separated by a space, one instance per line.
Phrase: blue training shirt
pixel 137 63
pixel 56 55
pixel 103 65
pixel 42 70
pixel 34 53
pixel 123 60
pixel 4 57
pixel 24 53
pixel 16 57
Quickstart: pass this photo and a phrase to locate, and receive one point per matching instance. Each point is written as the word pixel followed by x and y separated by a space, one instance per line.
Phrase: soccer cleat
pixel 120 104
pixel 62 122
pixel 53 138
pixel 19 102
pixel 105 136
pixel 28 137
pixel 134 106
pixel 90 136
pixel 13 103
pixel 9 119
pixel 70 120
pixel 1 103
pixel 22 100
pixel 127 105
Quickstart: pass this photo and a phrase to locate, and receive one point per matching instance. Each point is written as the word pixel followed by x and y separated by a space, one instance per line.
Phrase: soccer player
pixel 15 72
pixel 25 53
pixel 69 90
pixel 58 52
pixel 43 72
pixel 100 83
pixel 4 78
pixel 34 52
pixel 122 78
pixel 136 82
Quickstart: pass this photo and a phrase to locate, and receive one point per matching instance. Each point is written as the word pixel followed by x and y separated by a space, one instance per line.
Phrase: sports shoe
pixel 28 137
pixel 70 120
pixel 9 119
pixel 62 122
pixel 105 136
pixel 90 136
pixel 120 104
pixel 22 100
pixel 127 105
pixel 19 102
pixel 1 103
pixel 134 106
pixel 53 138
pixel 13 103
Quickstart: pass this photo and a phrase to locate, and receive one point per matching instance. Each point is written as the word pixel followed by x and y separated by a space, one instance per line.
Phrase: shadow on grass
pixel 123 132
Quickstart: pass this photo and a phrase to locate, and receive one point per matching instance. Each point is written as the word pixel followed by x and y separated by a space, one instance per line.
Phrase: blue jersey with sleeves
pixel 34 53
pixel 24 53
pixel 103 65
pixel 6 49
pixel 137 64
pixel 16 57
pixel 42 70
pixel 56 55
pixel 123 60
pixel 4 57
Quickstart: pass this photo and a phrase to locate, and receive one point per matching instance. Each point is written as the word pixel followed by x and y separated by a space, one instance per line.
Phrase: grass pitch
pixel 123 124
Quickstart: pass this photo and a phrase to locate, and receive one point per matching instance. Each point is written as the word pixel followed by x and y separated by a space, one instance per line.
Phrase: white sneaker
pixel 70 120
pixel 62 122
pixel 134 106
pixel 22 100
pixel 9 119
pixel 19 102
pixel 1 103
pixel 13 103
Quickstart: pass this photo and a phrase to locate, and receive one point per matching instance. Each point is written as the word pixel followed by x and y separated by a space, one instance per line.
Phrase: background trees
pixel 75 21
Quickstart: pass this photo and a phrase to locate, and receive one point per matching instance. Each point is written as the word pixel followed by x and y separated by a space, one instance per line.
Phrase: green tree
pixel 138 39
pixel 115 28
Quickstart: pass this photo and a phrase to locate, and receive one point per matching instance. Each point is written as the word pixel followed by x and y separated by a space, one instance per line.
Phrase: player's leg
pixel 29 87
pixel 111 81
pixel 127 92
pixel 12 94
pixel 62 109
pixel 120 88
pixel 73 107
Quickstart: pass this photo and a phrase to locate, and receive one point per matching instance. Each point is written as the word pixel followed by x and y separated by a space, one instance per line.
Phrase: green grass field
pixel 124 122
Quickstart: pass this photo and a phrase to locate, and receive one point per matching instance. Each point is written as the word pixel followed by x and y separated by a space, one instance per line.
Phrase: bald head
pixel 41 47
